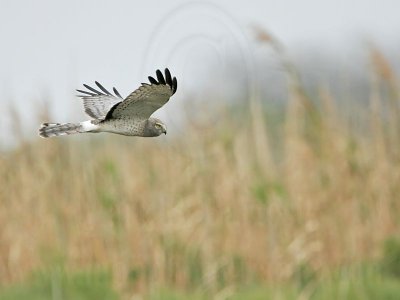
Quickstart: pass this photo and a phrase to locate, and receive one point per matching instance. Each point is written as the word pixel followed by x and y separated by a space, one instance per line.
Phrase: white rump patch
pixel 89 126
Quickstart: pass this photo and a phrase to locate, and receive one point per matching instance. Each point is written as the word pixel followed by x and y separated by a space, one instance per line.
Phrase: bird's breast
pixel 124 126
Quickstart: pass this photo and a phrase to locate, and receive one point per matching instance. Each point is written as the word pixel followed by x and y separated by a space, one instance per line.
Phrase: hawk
pixel 112 113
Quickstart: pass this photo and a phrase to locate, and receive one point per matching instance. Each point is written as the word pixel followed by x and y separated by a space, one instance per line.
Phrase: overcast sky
pixel 49 48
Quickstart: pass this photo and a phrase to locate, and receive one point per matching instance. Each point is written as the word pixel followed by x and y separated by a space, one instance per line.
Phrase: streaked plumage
pixel 112 113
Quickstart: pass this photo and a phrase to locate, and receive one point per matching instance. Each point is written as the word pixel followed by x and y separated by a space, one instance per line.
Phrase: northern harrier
pixel 112 113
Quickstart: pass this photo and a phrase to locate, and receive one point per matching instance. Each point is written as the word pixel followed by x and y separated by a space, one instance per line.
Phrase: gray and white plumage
pixel 112 113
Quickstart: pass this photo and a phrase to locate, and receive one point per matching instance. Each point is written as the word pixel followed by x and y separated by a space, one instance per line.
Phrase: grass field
pixel 303 207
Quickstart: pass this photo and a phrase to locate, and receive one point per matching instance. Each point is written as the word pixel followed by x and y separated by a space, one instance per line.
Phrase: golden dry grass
pixel 214 209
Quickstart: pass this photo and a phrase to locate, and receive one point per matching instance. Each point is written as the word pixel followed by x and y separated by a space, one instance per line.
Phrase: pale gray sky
pixel 49 48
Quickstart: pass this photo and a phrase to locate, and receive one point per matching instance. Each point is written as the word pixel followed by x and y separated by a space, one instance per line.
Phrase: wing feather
pixel 92 89
pixel 85 92
pixel 145 100
pixel 160 77
pixel 117 93
pixel 174 85
pixel 168 78
pixel 152 80
pixel 97 104
pixel 102 88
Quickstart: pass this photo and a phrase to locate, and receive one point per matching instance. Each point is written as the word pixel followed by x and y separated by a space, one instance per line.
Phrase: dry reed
pixel 201 211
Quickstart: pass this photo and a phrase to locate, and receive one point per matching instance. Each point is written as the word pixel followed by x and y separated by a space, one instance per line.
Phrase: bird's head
pixel 155 127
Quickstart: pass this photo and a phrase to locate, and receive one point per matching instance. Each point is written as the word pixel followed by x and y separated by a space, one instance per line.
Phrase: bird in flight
pixel 112 113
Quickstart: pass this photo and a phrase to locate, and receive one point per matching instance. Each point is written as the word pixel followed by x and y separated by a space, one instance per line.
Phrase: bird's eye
pixel 158 126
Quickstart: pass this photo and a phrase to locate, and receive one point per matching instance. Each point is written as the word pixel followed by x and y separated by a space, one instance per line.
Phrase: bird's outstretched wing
pixel 145 100
pixel 98 103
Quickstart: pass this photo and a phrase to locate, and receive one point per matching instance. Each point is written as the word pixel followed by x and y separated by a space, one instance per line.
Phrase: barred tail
pixel 55 129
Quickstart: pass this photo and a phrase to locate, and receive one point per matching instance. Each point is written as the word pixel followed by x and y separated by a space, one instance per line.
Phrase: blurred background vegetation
pixel 294 202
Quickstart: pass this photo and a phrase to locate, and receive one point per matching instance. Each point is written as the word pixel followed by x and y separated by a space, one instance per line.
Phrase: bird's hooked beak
pixel 165 130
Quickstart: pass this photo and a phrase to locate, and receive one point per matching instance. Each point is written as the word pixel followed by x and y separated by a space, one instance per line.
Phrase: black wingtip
pixel 168 78
pixel 172 82
pixel 174 85
pixel 152 80
pixel 160 77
